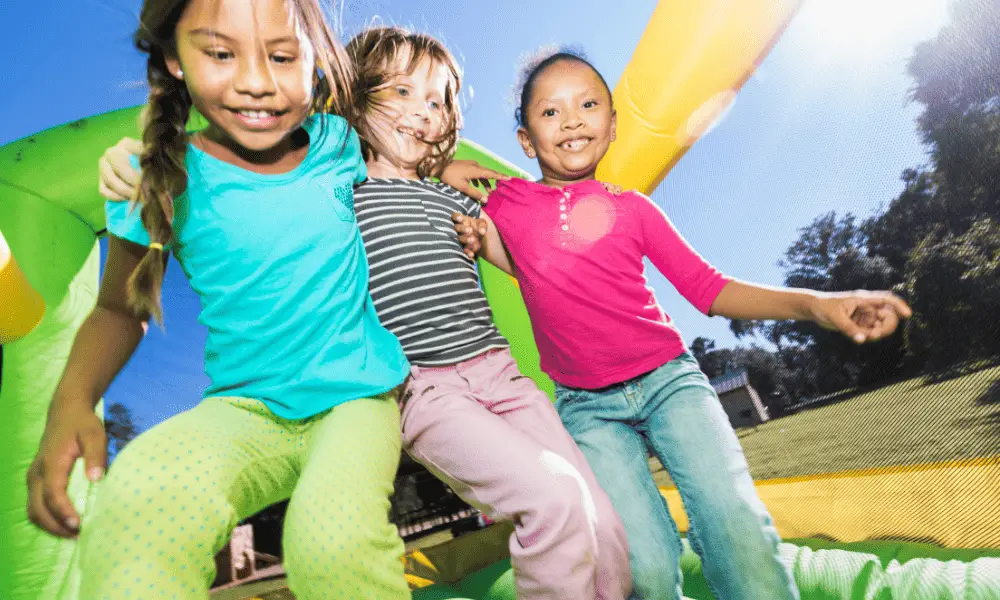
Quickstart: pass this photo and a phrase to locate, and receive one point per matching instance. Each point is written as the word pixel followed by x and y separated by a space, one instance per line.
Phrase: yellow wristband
pixel 156 246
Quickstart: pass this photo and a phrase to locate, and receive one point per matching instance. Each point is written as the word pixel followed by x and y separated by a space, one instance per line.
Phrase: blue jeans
pixel 674 412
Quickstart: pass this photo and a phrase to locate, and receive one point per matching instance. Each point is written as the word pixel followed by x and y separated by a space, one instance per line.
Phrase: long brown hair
pixel 376 54
pixel 165 136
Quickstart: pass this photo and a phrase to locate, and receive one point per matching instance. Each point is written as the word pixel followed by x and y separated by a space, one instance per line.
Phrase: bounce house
pixel 848 535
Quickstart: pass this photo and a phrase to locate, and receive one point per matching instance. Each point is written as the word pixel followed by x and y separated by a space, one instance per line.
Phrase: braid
pixel 165 139
pixel 164 178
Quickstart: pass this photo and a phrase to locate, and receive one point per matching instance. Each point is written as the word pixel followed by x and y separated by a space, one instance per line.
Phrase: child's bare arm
pixel 471 178
pixel 104 343
pixel 480 236
pixel 111 333
pixel 863 316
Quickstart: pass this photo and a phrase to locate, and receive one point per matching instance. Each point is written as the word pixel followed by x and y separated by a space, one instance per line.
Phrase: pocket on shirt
pixel 340 199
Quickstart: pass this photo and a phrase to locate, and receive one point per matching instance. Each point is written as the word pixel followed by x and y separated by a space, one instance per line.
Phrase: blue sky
pixel 823 125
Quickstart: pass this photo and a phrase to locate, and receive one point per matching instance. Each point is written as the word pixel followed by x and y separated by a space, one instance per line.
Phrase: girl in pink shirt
pixel 625 382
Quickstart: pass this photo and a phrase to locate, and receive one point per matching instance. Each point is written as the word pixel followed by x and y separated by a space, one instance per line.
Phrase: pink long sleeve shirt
pixel 578 255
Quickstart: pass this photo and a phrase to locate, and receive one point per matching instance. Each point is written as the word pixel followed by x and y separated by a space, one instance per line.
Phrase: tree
pixel 802 373
pixel 119 426
pixel 767 375
pixel 953 283
pixel 775 332
pixel 700 347
pixel 908 219
pixel 808 262
pixel 714 363
pixel 951 269
pixel 957 77
pixel 765 370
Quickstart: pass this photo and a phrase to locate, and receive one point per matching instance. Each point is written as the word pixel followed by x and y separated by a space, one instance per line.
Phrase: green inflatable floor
pixel 823 571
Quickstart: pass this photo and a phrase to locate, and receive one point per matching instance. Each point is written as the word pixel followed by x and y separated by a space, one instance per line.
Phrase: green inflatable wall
pixel 51 216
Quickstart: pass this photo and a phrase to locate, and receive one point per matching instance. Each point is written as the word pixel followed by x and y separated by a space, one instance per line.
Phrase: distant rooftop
pixel 730 381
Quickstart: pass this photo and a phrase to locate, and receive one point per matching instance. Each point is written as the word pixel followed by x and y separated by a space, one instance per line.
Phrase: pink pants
pixel 490 434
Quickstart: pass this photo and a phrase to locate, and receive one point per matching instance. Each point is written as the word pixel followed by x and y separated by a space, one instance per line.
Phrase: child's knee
pixel 610 525
pixel 162 506
pixel 736 520
pixel 153 532
pixel 342 527
pixel 656 579
pixel 561 498
pixel 358 560
pixel 610 530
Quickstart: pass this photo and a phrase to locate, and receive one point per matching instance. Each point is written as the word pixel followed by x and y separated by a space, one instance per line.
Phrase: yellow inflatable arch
pixel 21 307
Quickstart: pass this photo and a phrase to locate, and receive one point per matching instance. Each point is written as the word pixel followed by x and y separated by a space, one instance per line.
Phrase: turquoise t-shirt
pixel 280 268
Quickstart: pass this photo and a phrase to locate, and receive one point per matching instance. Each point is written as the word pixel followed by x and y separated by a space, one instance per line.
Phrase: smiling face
pixel 568 122
pixel 408 116
pixel 248 68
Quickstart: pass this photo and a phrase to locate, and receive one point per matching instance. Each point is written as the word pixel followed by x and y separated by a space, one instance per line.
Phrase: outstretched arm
pixel 862 315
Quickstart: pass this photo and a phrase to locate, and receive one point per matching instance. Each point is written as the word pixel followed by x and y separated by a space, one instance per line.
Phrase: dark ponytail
pixel 164 137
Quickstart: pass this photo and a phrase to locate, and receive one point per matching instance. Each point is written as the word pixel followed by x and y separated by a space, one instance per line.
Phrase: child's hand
pixel 470 232
pixel 613 188
pixel 862 316
pixel 69 434
pixel 465 175
pixel 119 179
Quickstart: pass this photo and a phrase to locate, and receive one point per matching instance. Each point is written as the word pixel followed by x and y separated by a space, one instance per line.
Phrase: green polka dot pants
pixel 174 495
